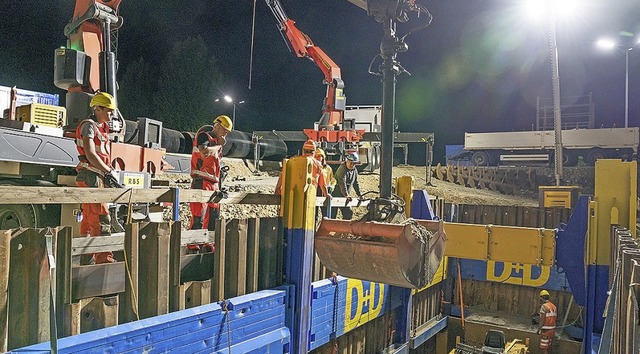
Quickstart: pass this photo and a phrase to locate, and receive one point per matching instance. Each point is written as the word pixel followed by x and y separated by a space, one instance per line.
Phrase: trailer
pixel 526 147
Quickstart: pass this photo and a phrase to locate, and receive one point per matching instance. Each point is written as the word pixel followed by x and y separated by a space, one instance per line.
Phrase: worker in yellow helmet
pixel 547 323
pixel 206 169
pixel 94 168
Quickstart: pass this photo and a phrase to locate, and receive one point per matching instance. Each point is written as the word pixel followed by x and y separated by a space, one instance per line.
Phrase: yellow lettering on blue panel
pixel 516 273
pixel 364 302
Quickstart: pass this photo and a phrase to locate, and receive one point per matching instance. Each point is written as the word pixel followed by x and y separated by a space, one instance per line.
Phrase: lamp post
pixel 551 11
pixel 610 44
pixel 229 99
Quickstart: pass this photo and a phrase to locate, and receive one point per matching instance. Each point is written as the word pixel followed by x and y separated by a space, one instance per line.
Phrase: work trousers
pixel 204 214
pixel 96 220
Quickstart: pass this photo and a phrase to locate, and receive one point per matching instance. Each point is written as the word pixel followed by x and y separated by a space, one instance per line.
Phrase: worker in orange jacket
pixel 94 150
pixel 205 169
pixel 329 180
pixel 547 323
pixel 318 180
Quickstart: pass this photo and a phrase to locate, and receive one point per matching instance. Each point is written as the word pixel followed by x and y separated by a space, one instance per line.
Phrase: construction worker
pixel 327 174
pixel 309 150
pixel 94 169
pixel 547 323
pixel 347 178
pixel 205 169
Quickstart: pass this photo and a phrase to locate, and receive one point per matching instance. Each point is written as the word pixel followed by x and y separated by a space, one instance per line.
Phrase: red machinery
pixel 330 127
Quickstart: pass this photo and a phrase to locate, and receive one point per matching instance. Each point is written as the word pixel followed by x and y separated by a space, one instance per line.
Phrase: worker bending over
pixel 205 169
pixel 547 329
pixel 347 178
pixel 94 168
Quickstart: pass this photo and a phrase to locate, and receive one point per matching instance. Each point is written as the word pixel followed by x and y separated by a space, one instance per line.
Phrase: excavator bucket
pixel 405 255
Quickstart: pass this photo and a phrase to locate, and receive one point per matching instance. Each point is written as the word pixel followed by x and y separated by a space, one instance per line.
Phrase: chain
pixel 223 305
pixel 334 281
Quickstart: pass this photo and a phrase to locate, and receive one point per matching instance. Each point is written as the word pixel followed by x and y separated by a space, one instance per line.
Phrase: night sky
pixel 479 67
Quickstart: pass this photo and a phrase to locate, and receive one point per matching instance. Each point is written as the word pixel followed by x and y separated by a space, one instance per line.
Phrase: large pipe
pixel 239 144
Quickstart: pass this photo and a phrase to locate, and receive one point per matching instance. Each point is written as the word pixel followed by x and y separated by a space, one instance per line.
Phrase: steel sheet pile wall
pixel 154 277
pixel 621 332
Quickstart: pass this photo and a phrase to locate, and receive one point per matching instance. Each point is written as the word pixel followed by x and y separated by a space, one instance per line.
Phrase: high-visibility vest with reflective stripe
pixel 550 313
pixel 101 141
pixel 206 167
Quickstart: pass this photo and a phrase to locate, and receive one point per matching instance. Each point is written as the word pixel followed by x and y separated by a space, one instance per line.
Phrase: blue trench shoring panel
pixel 255 325
pixel 338 308
pixel 544 277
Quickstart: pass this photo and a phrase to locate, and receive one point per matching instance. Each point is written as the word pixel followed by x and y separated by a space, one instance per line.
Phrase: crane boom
pixel 335 100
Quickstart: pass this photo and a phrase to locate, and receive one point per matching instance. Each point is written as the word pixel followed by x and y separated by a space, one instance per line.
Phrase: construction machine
pixel 331 131
pixel 384 246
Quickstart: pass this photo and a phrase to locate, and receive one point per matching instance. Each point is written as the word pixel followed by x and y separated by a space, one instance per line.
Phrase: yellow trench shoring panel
pixel 500 243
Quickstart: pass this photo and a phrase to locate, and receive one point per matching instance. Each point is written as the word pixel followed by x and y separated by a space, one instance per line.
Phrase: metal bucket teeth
pixel 405 255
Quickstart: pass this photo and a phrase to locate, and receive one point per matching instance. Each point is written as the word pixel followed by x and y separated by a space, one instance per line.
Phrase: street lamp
pixel 610 45
pixel 550 11
pixel 229 99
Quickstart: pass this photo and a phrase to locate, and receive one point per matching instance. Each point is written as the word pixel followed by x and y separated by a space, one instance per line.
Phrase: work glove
pixel 217 140
pixel 111 179
pixel 219 195
pixel 348 200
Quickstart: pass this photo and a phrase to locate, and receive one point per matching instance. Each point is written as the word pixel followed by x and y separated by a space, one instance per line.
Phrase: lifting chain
pixel 223 306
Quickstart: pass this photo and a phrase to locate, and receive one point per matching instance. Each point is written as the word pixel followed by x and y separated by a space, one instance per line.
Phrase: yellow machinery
pixel 41 114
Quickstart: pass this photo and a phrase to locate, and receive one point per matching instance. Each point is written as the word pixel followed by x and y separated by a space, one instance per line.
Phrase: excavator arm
pixel 335 100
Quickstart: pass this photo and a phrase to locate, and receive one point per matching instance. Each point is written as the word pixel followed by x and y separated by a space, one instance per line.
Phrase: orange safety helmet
pixel 309 146
pixel 320 152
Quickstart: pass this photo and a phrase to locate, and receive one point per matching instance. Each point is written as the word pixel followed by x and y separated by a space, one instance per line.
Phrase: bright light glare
pixel 535 9
pixel 228 98
pixel 566 8
pixel 606 43
pixel 542 9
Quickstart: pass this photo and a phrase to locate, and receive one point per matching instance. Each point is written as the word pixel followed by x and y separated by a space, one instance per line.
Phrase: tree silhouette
pixel 135 94
pixel 186 83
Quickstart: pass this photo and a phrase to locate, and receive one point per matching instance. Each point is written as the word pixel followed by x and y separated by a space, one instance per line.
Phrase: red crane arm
pixel 303 47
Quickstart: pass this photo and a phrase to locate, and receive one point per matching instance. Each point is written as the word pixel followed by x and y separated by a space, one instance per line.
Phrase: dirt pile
pixel 243 177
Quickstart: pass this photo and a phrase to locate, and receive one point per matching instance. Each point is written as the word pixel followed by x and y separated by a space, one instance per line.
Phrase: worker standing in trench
pixel 547 329
pixel 327 174
pixel 309 150
pixel 205 169
pixel 94 168
pixel 347 178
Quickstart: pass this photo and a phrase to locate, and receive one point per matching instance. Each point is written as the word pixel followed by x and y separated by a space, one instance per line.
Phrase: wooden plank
pixel 5 242
pixel 98 313
pixel 28 289
pixel 129 300
pixel 153 285
pixel 97 280
pixel 253 255
pixel 236 255
pixel 176 296
pixel 64 290
pixel 115 242
pixel 218 286
pixel 197 293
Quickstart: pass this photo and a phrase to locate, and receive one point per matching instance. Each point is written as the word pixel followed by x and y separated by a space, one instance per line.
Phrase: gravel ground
pixel 243 178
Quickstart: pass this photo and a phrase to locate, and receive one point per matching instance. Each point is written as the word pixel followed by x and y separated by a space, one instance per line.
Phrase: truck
pixel 527 147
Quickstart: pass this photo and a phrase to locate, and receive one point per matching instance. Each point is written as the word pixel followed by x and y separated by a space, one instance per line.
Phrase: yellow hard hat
pixel 224 121
pixel 103 99
pixel 320 152
pixel 544 293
